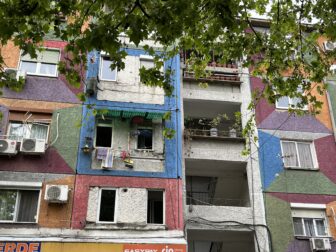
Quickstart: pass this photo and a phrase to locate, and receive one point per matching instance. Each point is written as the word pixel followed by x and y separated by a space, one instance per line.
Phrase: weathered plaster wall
pixel 4 119
pixel 170 167
pixel 172 188
pixel 128 87
pixel 57 215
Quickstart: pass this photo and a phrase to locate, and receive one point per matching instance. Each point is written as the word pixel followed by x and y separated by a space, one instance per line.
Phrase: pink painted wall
pixel 172 187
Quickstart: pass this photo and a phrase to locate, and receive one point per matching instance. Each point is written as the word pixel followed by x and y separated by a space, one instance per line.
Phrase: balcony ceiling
pixel 209 109
pixel 203 167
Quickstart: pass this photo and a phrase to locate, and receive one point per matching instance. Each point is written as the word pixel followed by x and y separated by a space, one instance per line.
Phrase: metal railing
pixel 214 76
pixel 204 199
pixel 213 133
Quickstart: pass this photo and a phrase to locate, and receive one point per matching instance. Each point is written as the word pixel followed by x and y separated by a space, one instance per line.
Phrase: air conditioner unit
pixel 7 147
pixel 329 46
pixel 320 244
pixel 21 73
pixel 32 146
pixel 56 193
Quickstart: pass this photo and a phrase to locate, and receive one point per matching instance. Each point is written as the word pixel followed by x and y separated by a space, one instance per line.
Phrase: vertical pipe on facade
pixel 331 114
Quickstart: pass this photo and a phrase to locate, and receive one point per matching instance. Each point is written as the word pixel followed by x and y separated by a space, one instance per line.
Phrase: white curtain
pixel 309 227
pixel 289 154
pixel 320 227
pixel 7 204
pixel 39 131
pixel 298 228
pixel 306 159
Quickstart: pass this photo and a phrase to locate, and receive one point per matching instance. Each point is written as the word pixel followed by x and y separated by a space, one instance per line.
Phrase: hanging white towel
pixel 108 161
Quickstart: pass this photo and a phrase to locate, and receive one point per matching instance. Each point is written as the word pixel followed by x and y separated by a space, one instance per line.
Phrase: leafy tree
pixel 224 28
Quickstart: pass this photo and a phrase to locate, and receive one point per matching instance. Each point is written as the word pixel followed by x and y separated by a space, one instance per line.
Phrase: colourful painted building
pixel 297 163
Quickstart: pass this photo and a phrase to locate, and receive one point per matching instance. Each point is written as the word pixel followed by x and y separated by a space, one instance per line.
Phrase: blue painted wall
pixel 269 158
pixel 173 147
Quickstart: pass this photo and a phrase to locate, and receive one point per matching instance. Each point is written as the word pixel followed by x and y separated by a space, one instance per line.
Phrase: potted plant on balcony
pixel 215 122
pixel 236 127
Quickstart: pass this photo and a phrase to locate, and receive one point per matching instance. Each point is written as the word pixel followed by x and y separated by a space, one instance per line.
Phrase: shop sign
pixel 20 246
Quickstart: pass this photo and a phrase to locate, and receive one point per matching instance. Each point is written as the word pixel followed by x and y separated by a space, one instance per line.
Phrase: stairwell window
pixel 107 205
pixel 106 73
pixel 155 207
pixel 44 65
pixel 19 205
pixel 299 155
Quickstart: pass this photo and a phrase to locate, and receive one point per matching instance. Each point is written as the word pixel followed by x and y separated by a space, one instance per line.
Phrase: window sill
pixel 124 226
pixel 301 237
pixel 302 169
pixel 144 150
pixel 43 75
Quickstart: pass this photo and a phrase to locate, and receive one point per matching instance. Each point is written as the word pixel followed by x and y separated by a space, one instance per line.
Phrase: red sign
pixel 154 248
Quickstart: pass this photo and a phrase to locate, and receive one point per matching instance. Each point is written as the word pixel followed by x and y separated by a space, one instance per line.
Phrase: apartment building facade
pixel 297 165
pixel 223 204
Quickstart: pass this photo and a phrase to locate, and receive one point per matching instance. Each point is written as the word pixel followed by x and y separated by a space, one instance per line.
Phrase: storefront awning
pixel 129 114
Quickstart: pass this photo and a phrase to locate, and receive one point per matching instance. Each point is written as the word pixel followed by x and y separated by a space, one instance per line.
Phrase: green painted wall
pixel 68 133
pixel 307 182
pixel 279 220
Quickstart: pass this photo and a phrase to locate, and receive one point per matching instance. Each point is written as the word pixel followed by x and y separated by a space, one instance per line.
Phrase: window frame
pixel 137 139
pixel 38 66
pixel 325 223
pixel 17 201
pixel 146 58
pixel 164 207
pixel 115 205
pixel 102 55
pixel 290 103
pixel 312 152
pixel 104 125
pixel 28 128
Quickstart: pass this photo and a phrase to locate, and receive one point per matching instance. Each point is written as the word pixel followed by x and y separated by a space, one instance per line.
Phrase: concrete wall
pixel 86 195
pixel 128 87
pixel 214 92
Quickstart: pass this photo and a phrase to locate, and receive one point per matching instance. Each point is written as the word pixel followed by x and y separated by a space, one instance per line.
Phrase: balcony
pixel 220 240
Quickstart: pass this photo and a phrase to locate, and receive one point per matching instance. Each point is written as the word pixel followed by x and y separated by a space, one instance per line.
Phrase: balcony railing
pixel 214 134
pixel 214 76
pixel 203 198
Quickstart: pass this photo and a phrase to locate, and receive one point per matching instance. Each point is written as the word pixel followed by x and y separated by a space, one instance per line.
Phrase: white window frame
pixel 22 186
pixel 103 55
pixel 145 127
pixel 290 104
pixel 147 58
pixel 164 206
pixel 315 227
pixel 38 66
pixel 312 152
pixel 28 126
pixel 104 125
pixel 115 205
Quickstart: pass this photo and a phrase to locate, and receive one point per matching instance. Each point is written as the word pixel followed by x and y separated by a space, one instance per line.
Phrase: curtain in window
pixel 298 228
pixel 28 206
pixel 39 131
pixel 306 159
pixel 320 228
pixel 289 154
pixel 17 131
pixel 309 227
pixel 7 204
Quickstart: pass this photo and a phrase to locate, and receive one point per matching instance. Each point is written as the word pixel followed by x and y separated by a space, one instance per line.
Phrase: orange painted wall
pixel 11 55
pixel 331 218
pixel 324 115
pixel 57 215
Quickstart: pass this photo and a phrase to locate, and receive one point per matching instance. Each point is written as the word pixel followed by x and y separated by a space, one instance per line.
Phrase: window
pixel 107 205
pixel 155 208
pixel 104 133
pixel 45 64
pixel 145 139
pixel 309 222
pixel 19 130
pixel 298 154
pixel 106 73
pixel 146 61
pixel 18 205
pixel 286 102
